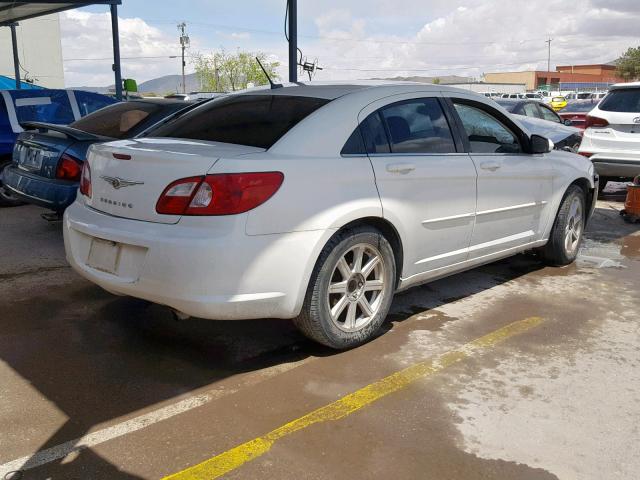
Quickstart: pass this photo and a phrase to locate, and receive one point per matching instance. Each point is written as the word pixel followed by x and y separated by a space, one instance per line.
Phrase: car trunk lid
pixel 128 176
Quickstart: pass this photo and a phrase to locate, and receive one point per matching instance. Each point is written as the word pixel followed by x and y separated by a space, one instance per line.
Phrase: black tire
pixel 560 250
pixel 316 321
pixel 603 184
pixel 7 198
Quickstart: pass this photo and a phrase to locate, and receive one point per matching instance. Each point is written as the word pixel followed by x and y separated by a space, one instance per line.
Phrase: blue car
pixel 47 161
pixel 43 105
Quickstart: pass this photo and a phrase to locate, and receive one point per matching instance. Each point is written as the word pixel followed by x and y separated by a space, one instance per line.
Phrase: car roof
pixel 618 86
pixel 333 90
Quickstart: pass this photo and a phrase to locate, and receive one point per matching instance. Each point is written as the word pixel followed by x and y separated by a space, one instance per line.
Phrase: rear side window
pixel 253 120
pixel 418 126
pixel 118 120
pixel 547 114
pixel 531 110
pixel 486 133
pixel 627 101
pixel 374 134
pixel 89 102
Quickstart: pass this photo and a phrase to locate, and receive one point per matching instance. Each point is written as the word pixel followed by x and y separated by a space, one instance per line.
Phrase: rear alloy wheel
pixel 7 197
pixel 350 291
pixel 568 228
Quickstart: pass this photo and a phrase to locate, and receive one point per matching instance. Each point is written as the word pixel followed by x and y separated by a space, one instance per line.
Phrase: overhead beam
pixel 46 11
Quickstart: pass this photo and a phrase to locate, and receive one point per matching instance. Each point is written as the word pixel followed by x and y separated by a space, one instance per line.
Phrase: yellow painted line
pixel 230 460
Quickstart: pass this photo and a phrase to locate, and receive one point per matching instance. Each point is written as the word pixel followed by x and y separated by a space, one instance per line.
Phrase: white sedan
pixel 318 202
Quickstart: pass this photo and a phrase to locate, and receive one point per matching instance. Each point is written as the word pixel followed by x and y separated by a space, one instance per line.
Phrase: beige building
pixel 39 50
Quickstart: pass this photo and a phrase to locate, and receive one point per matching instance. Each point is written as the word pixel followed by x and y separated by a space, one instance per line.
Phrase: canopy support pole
pixel 16 60
pixel 116 50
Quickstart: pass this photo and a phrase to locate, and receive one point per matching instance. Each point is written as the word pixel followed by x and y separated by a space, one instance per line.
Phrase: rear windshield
pixel 118 121
pixel 52 106
pixel 622 101
pixel 580 107
pixel 508 106
pixel 253 120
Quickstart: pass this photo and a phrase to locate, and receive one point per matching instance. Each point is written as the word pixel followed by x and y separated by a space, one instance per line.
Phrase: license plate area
pixel 104 255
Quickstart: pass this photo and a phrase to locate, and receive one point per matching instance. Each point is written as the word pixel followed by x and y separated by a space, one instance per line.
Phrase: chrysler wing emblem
pixel 636 120
pixel 117 182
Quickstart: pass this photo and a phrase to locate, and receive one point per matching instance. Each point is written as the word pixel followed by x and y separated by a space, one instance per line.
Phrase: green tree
pixel 436 81
pixel 629 64
pixel 223 72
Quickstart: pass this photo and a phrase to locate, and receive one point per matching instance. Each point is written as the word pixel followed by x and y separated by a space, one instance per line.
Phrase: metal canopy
pixel 11 12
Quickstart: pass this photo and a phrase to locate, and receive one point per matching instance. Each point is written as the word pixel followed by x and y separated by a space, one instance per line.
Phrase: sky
pixel 353 39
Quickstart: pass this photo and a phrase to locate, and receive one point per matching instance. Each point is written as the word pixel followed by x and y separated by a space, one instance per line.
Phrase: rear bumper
pixel 45 192
pixel 212 271
pixel 607 167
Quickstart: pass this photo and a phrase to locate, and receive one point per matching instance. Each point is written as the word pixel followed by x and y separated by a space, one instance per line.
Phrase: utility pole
pixel 548 42
pixel 293 40
pixel 184 43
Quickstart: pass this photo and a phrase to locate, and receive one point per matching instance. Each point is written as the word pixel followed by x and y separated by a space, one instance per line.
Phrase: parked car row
pixel 318 202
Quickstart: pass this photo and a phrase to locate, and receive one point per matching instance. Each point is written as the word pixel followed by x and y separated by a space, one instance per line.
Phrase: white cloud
pixel 472 37
pixel 380 38
pixel 88 36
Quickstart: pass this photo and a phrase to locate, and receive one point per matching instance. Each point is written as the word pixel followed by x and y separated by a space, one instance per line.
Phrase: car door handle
pixel 491 166
pixel 402 168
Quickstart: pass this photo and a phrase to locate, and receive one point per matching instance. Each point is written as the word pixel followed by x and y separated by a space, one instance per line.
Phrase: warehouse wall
pixel 39 50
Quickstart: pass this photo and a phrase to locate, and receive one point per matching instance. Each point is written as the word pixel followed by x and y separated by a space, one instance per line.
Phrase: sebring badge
pixel 118 183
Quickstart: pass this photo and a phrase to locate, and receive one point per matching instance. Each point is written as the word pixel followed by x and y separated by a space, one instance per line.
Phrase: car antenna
pixel 273 85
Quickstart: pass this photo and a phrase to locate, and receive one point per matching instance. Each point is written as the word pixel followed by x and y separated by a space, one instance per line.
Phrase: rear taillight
pixel 222 194
pixel 85 180
pixel 586 154
pixel 590 121
pixel 69 168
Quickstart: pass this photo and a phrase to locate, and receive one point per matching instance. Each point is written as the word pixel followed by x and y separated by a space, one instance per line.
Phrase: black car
pixel 530 108
pixel 47 159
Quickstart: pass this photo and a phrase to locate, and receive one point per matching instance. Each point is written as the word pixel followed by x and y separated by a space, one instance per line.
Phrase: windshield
pixel 118 121
pixel 623 100
pixel 50 106
pixel 253 120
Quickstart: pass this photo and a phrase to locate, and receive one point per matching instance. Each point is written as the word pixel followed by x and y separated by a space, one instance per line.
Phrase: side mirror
pixel 568 122
pixel 540 144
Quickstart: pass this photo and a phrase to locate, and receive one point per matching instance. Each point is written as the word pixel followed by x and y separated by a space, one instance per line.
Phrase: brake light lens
pixel 221 194
pixel 85 180
pixel 590 121
pixel 586 154
pixel 69 168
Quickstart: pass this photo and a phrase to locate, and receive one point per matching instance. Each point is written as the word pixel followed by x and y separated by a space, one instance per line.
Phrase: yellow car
pixel 558 103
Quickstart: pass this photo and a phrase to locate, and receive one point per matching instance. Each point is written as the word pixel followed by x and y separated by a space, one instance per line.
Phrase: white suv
pixel 612 136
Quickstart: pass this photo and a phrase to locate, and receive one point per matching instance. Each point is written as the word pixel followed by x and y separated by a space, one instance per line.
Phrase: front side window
pixel 418 126
pixel 485 132
pixel 253 120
